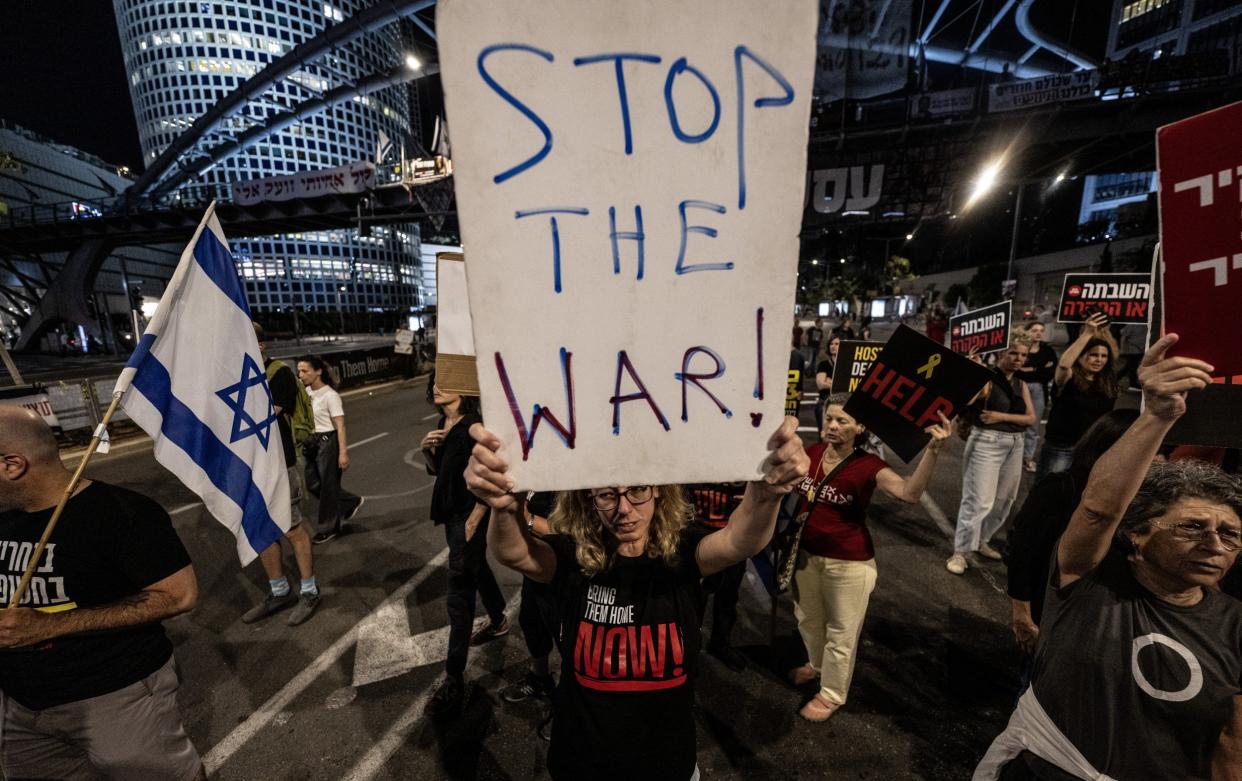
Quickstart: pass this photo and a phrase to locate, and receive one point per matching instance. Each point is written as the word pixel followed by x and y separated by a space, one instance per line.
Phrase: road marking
pixel 432 415
pixel 185 507
pixel 936 514
pixel 807 428
pixel 242 733
pixel 362 442
pixel 418 490
pixel 386 648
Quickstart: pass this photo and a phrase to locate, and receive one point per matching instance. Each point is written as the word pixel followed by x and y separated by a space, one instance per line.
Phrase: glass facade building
pixel 183 57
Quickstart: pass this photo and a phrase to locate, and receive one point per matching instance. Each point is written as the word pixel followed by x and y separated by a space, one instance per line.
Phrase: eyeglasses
pixel 636 495
pixel 1193 531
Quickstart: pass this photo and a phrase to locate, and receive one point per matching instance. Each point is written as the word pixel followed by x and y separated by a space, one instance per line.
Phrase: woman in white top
pixel 327 454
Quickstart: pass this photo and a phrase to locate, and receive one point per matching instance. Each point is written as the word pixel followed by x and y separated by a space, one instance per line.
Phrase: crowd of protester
pixel 1115 550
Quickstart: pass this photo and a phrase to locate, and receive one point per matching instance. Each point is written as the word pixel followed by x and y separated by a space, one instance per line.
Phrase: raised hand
pixel 1096 322
pixel 788 463
pixel 1167 380
pixel 940 432
pixel 487 474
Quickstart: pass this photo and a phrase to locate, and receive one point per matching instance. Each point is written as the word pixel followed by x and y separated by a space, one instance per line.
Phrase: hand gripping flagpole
pixel 100 436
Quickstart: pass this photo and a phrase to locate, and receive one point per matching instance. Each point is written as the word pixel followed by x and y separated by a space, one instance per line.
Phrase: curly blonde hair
pixel 576 516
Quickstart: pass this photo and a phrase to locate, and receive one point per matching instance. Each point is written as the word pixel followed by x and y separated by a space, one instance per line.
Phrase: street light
pixel 984 182
pixel 412 62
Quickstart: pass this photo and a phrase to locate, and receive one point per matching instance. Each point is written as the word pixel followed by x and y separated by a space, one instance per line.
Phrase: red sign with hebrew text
pixel 1200 167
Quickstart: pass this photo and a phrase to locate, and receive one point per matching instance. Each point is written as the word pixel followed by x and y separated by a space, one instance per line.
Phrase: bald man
pixel 87 686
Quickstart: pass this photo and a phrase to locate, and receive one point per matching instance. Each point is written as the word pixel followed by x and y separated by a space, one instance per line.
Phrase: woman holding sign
pixel 1084 387
pixel 992 463
pixel 836 558
pixel 626 570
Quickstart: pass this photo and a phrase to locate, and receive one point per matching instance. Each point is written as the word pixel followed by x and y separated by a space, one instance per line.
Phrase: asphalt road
pixel 342 696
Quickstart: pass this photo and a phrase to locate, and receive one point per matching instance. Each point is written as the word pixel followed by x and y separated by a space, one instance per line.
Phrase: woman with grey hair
pixel 1138 669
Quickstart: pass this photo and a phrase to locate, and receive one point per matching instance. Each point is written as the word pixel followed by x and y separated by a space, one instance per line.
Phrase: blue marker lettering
pixel 686 377
pixel 556 235
pixel 517 104
pixel 618 59
pixel 623 362
pixel 679 67
pixel 765 102
pixel 635 235
pixel 706 231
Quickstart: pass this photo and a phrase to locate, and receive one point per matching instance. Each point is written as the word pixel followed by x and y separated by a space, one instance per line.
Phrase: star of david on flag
pixel 196 384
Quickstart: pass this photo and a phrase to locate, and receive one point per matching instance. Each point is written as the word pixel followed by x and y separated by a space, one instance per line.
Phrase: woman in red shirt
pixel 836 560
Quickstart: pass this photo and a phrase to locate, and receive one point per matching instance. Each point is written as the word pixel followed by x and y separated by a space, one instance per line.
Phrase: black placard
pixel 1124 298
pixel 911 380
pixel 853 361
pixel 983 330
pixel 1211 418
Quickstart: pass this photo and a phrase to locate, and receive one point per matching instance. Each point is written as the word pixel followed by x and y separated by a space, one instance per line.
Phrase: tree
pixel 956 292
pixel 897 270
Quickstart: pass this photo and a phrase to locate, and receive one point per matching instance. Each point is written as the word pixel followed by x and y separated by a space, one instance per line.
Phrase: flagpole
pixel 100 433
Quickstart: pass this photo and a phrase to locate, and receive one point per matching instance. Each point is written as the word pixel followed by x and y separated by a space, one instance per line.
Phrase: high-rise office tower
pixel 183 56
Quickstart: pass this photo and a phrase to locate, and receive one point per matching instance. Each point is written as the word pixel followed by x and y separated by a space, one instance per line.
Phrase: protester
pixel 814 338
pixel 626 566
pixel 539 621
pixel 327 451
pixel 1139 664
pixel 713 505
pixel 836 569
pixel 846 328
pixel 1040 522
pixel 87 685
pixel 446 451
pixel 937 324
pixel 1037 373
pixel 864 334
pixel 1084 388
pixel 823 379
pixel 992 462
pixel 285 390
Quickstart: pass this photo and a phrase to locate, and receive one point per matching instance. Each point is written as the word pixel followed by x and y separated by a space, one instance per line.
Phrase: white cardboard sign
pixel 629 184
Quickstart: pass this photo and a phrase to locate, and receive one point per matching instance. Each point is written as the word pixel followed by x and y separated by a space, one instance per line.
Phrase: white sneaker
pixel 1029 465
pixel 988 552
pixel 957 564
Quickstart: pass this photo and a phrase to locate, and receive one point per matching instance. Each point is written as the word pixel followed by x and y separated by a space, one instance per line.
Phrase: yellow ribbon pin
pixel 929 367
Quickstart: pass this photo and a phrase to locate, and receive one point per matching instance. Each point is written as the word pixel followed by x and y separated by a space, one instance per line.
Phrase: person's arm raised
pixel 751 524
pixel 507 538
pixel 911 489
pixel 1090 330
pixel 1118 473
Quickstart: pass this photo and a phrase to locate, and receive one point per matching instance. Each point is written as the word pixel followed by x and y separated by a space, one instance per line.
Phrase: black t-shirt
pixel 1044 363
pixel 1036 528
pixel 451 500
pixel 1142 688
pixel 285 395
pixel 1004 397
pixel 630 640
pixel 1073 411
pixel 109 543
pixel 825 366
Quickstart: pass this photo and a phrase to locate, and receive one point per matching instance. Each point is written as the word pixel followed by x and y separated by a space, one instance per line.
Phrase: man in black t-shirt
pixel 285 392
pixel 87 684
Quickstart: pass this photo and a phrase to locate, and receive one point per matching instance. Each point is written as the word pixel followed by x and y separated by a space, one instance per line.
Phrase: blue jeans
pixel 1053 458
pixel 1032 433
pixel 991 471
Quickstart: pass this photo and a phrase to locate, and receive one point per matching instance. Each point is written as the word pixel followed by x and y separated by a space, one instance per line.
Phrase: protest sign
pixel 1211 417
pixel 1123 298
pixel 622 180
pixel 853 361
pixel 403 343
pixel 793 391
pixel 32 398
pixel 1200 168
pixel 983 330
pixel 456 369
pixel 912 380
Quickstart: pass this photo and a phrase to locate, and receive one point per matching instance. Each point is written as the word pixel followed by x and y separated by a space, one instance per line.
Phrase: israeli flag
pixel 196 384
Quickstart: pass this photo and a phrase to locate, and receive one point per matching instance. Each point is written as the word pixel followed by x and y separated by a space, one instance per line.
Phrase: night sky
pixel 64 77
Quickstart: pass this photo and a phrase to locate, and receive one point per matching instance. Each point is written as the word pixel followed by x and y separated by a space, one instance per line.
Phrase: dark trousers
pixel 538 618
pixel 469 575
pixel 323 480
pixel 723 588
